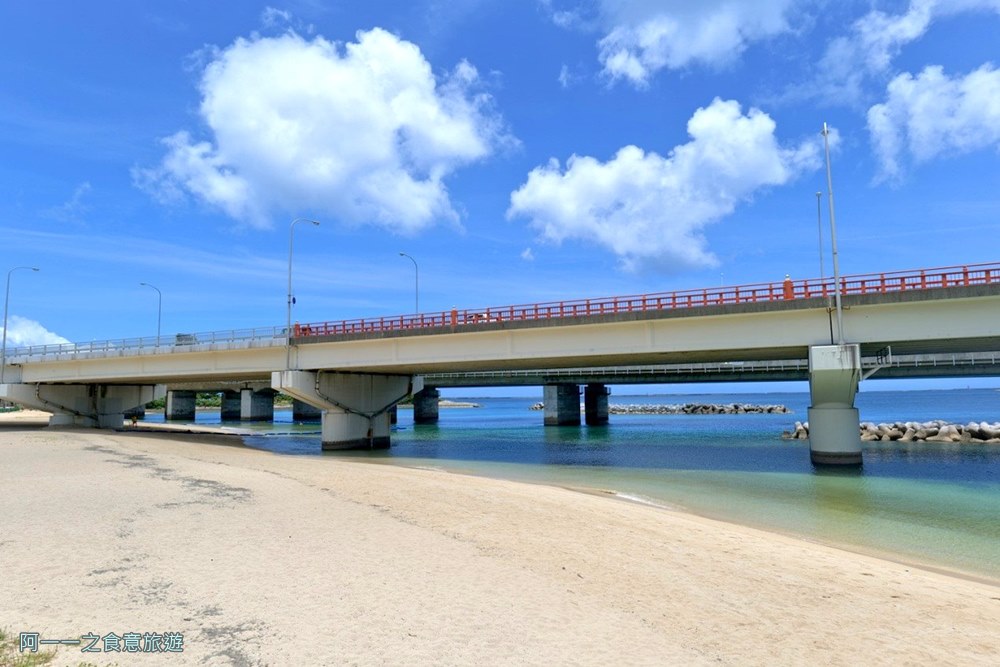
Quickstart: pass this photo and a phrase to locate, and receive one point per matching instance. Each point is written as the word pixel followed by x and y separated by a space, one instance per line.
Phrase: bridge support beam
pixel 256 405
pixel 562 404
pixel 355 405
pixel 425 406
pixel 303 412
pixel 595 404
pixel 834 373
pixel 180 405
pixel 87 405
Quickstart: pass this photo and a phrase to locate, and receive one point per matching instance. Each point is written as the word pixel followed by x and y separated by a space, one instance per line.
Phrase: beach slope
pixel 258 558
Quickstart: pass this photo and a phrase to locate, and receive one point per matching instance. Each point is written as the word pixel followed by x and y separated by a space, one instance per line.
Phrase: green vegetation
pixel 11 656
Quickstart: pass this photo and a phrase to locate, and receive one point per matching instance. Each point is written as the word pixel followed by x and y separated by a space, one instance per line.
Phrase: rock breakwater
pixel 931 431
pixel 690 409
pixel 698 409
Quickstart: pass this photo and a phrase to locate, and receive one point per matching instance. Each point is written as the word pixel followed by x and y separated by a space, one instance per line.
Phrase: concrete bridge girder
pixel 88 405
pixel 952 322
pixel 356 406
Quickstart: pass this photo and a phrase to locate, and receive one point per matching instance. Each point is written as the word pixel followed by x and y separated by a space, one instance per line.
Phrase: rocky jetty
pixel 698 409
pixel 932 431
pixel 690 409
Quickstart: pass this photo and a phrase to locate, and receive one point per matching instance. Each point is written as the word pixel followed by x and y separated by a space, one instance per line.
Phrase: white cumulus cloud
pixel 649 209
pixel 22 332
pixel 932 114
pixel 364 132
pixel 877 38
pixel 642 37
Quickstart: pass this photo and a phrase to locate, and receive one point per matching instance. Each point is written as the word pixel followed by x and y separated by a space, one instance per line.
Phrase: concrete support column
pixel 834 427
pixel 345 430
pixel 355 405
pixel 87 405
pixel 425 406
pixel 257 406
pixel 303 412
pixel 595 404
pixel 562 404
pixel 232 406
pixel 180 406
pixel 394 415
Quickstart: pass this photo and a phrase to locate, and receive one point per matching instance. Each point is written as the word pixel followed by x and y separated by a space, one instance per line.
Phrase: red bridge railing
pixel 872 283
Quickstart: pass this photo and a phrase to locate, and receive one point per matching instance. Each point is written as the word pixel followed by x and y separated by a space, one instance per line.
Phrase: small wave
pixel 643 500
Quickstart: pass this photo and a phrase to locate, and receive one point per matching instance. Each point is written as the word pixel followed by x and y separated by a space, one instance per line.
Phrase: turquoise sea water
pixel 932 503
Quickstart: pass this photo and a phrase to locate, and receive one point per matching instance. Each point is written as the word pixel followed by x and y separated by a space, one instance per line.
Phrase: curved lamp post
pixel 6 301
pixel 416 283
pixel 159 308
pixel 288 324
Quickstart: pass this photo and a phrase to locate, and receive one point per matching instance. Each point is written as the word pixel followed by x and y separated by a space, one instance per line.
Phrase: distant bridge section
pixel 887 366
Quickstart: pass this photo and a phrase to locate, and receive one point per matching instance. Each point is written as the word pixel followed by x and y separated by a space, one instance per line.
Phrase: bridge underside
pixel 87 405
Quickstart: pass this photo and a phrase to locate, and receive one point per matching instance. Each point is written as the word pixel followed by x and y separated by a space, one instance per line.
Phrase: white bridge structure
pixel 357 370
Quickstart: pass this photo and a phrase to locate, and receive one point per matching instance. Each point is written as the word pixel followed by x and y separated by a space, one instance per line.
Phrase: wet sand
pixel 257 558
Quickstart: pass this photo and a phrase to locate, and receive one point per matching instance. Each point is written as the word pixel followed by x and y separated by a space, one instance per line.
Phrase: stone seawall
pixel 932 431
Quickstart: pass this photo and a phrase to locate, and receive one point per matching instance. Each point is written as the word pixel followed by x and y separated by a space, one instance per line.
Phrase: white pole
pixel 819 230
pixel 6 300
pixel 159 309
pixel 833 239
pixel 416 284
pixel 288 323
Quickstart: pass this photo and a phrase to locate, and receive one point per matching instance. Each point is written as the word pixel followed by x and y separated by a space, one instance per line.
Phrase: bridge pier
pixel 425 406
pixel 180 405
pixel 87 405
pixel 257 405
pixel 303 412
pixel 355 406
pixel 834 373
pixel 562 404
pixel 232 406
pixel 595 404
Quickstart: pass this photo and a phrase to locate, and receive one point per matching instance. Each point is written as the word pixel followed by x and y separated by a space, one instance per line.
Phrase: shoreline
pixel 469 568
pixel 218 434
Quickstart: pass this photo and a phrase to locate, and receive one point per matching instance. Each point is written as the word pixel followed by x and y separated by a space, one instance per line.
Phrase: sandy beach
pixel 261 559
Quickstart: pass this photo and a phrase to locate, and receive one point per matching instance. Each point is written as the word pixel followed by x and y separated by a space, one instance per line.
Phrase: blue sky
pixel 518 151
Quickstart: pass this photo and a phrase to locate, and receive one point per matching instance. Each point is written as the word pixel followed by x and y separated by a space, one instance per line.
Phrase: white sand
pixel 264 559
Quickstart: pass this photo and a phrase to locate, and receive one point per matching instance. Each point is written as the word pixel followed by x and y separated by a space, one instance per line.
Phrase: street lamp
pixel 416 283
pixel 159 308
pixel 833 238
pixel 819 231
pixel 288 329
pixel 6 301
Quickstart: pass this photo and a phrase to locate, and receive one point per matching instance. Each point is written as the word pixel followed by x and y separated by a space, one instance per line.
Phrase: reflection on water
pixel 924 501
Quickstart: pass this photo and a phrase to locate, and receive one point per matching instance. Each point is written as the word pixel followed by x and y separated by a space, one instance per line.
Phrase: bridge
pixel 356 370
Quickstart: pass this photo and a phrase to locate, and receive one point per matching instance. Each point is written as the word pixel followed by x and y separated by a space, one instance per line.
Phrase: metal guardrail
pixel 873 283
pixel 258 337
